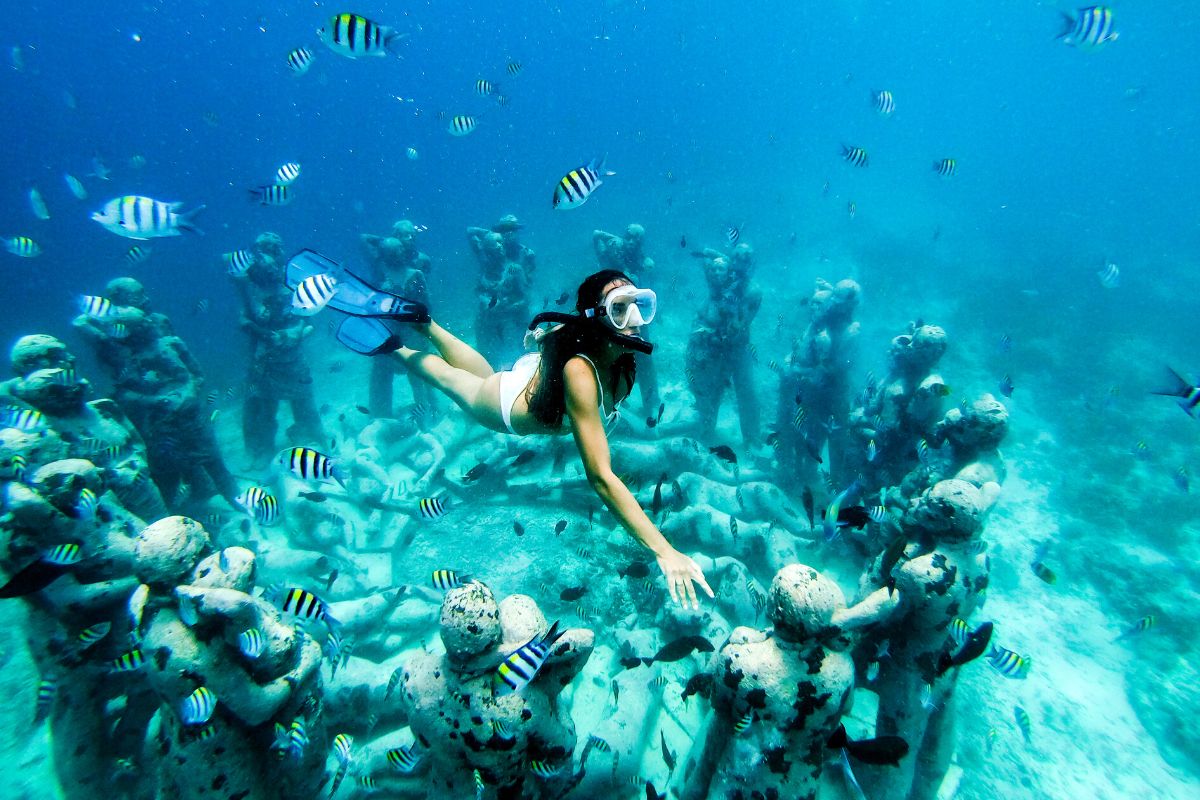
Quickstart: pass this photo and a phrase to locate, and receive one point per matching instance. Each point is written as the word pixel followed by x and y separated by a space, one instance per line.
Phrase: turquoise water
pixel 710 116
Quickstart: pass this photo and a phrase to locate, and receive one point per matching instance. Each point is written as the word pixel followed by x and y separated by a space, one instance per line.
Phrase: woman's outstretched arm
pixel 582 395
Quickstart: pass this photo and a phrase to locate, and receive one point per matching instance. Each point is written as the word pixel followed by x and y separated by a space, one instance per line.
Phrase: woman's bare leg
pixel 468 391
pixel 455 351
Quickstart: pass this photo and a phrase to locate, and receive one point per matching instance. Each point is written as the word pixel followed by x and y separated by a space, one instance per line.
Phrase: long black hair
pixel 579 335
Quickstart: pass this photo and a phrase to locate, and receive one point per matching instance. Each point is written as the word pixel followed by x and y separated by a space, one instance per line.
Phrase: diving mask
pixel 627 307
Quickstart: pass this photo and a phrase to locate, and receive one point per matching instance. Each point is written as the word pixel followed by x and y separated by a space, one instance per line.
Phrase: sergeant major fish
pixel 137 217
pixel 574 188
pixel 1090 28
pixel 353 36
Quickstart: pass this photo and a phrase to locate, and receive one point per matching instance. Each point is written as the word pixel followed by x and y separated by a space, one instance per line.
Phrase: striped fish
pixel 462 124
pixel 308 464
pixel 236 264
pixel 293 739
pixel 412 154
pixel 1141 626
pixel 23 419
pixel 313 294
pixel 300 60
pixel 542 769
pixel 367 782
pixel 1008 663
pixel 287 174
pixel 136 256
pixel 733 234
pixel 521 666
pixel 959 630
pixel 17 467
pixel 514 68
pixel 85 506
pixel 884 103
pixel 448 579
pixel 63 555
pixel 431 507
pixel 197 708
pixel 743 722
pixel 1110 276
pixel 484 87
pixel 479 785
pixel 393 682
pixel 352 36
pixel 341 748
pixel 137 217
pixel 94 306
pixel 306 605
pixel 1024 723
pixel 274 194
pixel 129 662
pixel 251 643
pixel 945 167
pixel 47 693
pixel 855 155
pixel 403 758
pixel 259 504
pixel 1090 28
pixel 22 246
pixel 574 188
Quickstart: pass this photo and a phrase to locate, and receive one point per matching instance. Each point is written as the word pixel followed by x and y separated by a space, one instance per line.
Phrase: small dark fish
pixel 1045 573
pixel 882 750
pixel 975 645
pixel 635 569
pixel 314 497
pixel 616 689
pixel 333 576
pixel 701 684
pixel 668 756
pixel 724 452
pixel 683 241
pixel 656 501
pixel 808 506
pixel 572 594
pixel 1006 386
pixel 681 648
pixel 524 457
pixel 853 517
pixel 891 556
pixel 652 793
pixel 629 662
pixel 560 526
pixel 363 410
pixel 562 298
pixel 34 578
pixel 518 528
pixel 476 472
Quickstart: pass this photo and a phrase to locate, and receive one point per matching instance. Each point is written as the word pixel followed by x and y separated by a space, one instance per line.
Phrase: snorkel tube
pixel 636 343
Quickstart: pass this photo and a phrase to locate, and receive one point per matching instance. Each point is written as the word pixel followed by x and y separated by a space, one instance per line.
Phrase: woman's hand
pixel 681 571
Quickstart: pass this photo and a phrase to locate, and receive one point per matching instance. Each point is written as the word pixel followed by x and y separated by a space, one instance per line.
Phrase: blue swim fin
pixel 370 336
pixel 354 295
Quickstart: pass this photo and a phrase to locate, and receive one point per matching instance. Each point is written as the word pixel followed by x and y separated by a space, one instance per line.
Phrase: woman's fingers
pixel 671 587
pixel 691 593
pixel 698 577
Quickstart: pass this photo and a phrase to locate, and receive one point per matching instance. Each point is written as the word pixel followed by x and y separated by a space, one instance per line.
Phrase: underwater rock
pixel 951 509
pixel 38 351
pixel 167 549
pixel 231 568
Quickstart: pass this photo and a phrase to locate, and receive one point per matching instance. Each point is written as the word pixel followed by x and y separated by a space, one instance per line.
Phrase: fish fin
pixel 184 221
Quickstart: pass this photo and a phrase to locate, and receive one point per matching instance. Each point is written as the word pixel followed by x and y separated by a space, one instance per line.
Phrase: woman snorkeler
pixel 583 369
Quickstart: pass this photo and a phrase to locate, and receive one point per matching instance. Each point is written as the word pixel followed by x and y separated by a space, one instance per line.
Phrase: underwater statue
pixel 506 268
pixel 719 349
pixel 485 712
pixel 278 368
pixel 400 267
pixel 160 385
pixel 813 385
pixel 778 696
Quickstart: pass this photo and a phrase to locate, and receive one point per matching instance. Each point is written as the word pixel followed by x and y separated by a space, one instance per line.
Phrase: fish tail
pixel 184 221
pixel 1068 23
